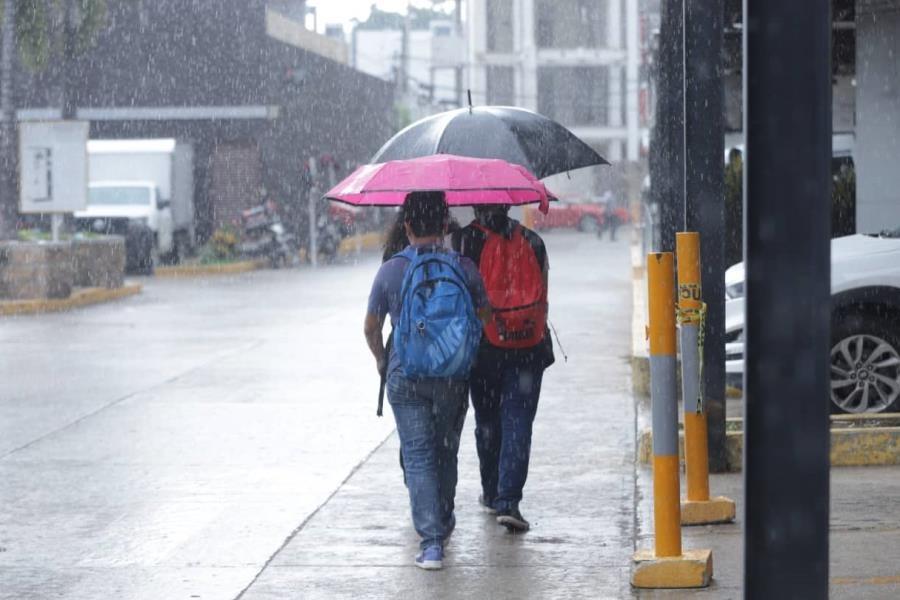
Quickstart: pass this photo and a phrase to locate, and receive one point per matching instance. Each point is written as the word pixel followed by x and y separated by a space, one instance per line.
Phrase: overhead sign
pixel 53 166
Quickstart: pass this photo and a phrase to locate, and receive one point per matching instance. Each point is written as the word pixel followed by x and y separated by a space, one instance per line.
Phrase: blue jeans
pixel 429 414
pixel 505 402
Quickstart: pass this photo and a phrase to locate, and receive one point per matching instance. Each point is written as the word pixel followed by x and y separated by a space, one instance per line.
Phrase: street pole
pixel 667 171
pixel 311 212
pixel 8 190
pixel 704 210
pixel 787 122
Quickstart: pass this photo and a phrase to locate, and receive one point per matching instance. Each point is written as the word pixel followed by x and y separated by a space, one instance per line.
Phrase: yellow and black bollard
pixel 666 565
pixel 698 508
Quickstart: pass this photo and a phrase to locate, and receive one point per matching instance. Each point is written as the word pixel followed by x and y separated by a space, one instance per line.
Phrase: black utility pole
pixel 9 200
pixel 787 217
pixel 667 153
pixel 704 197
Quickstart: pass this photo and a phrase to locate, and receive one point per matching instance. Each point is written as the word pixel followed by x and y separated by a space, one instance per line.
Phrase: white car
pixel 865 324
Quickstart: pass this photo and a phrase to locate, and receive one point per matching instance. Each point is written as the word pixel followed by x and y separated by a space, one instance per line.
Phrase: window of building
pixel 500 26
pixel 571 23
pixel 501 86
pixel 574 96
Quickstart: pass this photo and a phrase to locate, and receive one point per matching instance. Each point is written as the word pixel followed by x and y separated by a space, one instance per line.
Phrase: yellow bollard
pixel 666 508
pixel 699 508
pixel 667 565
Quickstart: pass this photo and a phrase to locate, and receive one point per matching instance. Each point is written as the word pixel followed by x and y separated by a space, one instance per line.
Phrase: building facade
pixel 243 81
pixel 576 61
pixel 425 62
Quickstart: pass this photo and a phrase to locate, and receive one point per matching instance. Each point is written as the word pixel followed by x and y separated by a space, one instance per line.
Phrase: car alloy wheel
pixel 865 374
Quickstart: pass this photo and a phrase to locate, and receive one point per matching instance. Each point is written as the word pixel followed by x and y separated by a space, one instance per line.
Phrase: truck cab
pixel 142 189
pixel 123 207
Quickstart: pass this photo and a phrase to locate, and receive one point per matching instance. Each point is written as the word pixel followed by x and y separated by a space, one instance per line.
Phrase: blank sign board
pixel 53 167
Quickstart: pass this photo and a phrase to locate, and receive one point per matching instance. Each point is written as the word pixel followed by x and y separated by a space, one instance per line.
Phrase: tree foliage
pixel 40 27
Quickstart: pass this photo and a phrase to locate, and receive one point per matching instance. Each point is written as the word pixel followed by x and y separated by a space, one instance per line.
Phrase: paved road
pixel 166 446
pixel 580 495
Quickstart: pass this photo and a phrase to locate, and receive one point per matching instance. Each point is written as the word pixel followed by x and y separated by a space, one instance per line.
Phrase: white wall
pixel 877 117
pixel 378 53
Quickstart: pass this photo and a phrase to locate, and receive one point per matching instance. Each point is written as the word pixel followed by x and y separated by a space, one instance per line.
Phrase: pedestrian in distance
pixel 437 304
pixel 516 348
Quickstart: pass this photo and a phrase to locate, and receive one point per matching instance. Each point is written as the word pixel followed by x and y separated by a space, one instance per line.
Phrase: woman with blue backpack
pixel 437 304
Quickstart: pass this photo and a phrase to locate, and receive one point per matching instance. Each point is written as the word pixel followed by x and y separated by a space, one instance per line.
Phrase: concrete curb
pixel 361 242
pixel 856 441
pixel 80 297
pixel 232 268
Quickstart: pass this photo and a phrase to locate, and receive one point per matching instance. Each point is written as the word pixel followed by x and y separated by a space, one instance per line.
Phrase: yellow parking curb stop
pixel 718 509
pixel 692 569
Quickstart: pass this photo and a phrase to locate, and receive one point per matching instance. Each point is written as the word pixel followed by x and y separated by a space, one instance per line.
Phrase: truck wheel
pixel 865 362
pixel 139 250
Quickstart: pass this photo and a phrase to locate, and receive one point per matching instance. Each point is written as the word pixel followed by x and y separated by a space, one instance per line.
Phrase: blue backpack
pixel 438 333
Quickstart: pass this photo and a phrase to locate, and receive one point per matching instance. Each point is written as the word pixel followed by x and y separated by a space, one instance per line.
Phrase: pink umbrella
pixel 465 181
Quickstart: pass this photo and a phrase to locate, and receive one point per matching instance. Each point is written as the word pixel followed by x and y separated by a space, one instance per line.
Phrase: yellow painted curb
pixel 853 444
pixel 361 242
pixel 80 297
pixel 733 392
pixel 693 569
pixel 706 512
pixel 865 446
pixel 232 268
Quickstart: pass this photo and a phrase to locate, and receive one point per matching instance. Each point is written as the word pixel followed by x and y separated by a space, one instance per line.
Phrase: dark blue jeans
pixel 429 414
pixel 505 402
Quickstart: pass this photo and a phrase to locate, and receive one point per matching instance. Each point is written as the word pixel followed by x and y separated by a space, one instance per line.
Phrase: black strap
pixel 387 354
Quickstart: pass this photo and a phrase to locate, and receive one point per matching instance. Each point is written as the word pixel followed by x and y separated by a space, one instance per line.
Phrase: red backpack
pixel 515 288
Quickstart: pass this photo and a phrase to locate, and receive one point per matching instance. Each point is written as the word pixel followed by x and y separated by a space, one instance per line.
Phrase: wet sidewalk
pixel 580 496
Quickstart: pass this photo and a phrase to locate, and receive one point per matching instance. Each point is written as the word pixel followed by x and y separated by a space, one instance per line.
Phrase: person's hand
pixel 381 365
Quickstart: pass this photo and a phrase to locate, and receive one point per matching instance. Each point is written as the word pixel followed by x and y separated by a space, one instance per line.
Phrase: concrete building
pixel 576 61
pixel 243 81
pixel 877 144
pixel 422 62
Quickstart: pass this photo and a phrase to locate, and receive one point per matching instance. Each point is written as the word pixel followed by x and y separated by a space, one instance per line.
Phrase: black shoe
pixel 486 506
pixel 513 521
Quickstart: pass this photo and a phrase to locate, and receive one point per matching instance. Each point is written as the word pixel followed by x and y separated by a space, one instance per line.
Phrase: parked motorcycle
pixel 264 236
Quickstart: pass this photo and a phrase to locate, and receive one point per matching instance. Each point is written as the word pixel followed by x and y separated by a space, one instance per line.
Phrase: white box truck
pixel 136 185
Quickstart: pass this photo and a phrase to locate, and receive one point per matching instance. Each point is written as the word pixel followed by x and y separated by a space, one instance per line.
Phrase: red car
pixel 584 216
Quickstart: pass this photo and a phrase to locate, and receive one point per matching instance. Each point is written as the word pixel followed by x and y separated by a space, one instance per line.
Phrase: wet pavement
pixel 216 439
pixel 579 496
pixel 164 446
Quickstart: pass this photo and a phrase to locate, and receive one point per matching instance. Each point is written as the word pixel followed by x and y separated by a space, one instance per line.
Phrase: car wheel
pixel 589 225
pixel 865 364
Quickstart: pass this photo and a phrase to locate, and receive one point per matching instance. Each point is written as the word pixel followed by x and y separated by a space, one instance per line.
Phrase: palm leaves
pixel 40 27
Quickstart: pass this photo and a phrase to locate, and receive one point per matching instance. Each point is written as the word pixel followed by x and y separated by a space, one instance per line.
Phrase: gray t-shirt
pixel 385 298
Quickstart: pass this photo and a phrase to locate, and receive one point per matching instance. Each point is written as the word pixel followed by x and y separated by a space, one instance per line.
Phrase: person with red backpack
pixel 516 347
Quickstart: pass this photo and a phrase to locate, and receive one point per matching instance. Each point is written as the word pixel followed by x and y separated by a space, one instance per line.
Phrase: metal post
pixel 699 508
pixel 56 223
pixel 787 120
pixel 9 200
pixel 690 310
pixel 311 208
pixel 667 171
pixel 704 209
pixel 663 398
